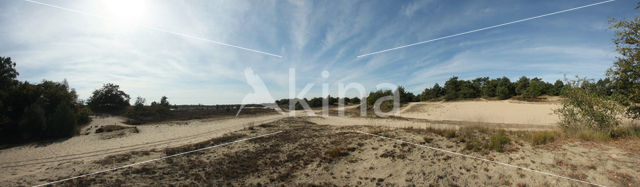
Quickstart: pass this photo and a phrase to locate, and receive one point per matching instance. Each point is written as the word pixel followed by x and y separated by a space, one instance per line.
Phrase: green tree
pixel 536 88
pixel 489 89
pixel 164 101
pixel 437 90
pixel 467 90
pixel 451 87
pixel 405 96
pixel 109 99
pixel 521 85
pixel 504 88
pixel 625 72
pixel 33 122
pixel 62 122
pixel 8 73
pixel 557 88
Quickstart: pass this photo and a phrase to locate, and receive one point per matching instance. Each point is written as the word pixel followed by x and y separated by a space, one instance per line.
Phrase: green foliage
pixel 31 112
pixel 374 96
pixel 625 72
pixel 451 87
pixel 83 115
pixel 582 109
pixel 8 72
pixel 33 122
pixel 521 85
pixel 504 88
pixel 109 99
pixel 490 88
pixel 405 96
pixel 534 89
pixel 355 100
pixel 558 86
pixel 429 94
pixel 139 113
pixel 62 122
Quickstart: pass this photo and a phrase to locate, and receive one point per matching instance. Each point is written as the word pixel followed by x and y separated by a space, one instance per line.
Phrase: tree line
pixel 46 110
pixel 52 110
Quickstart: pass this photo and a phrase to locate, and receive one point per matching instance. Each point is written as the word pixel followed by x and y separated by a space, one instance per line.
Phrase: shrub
pixel 62 123
pixel 33 122
pixel 83 115
pixel 582 109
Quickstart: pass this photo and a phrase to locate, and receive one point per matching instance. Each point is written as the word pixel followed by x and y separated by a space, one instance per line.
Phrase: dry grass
pixel 476 139
pixel 543 137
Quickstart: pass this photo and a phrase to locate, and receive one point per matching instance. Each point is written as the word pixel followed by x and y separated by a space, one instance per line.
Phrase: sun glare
pixel 126 12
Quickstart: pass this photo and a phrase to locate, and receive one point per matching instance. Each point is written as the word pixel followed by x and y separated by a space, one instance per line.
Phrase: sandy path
pixel 33 158
pixel 506 111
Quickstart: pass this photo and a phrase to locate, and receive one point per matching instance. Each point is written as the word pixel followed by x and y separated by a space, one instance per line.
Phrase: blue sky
pixel 311 36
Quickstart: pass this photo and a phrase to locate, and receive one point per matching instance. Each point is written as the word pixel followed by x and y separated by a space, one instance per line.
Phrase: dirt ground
pixel 307 153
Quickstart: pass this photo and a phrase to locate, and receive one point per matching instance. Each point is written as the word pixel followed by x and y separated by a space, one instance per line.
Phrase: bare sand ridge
pixel 504 111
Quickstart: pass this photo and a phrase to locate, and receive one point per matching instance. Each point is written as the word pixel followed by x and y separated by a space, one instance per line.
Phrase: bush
pixel 584 110
pixel 33 122
pixel 62 123
pixel 109 99
pixel 83 115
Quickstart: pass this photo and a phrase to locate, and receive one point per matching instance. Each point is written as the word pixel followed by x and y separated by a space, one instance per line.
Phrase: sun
pixel 126 12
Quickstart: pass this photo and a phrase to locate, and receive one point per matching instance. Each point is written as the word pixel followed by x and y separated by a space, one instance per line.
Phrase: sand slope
pixel 506 111
pixel 35 158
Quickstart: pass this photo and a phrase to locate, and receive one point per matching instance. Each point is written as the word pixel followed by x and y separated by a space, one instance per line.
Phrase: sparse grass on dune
pixel 475 139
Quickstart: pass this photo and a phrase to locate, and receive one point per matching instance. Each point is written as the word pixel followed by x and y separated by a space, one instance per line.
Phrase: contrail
pixel 154 28
pixel 486 28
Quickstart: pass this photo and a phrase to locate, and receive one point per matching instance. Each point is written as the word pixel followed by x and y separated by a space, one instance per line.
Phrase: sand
pixel 35 158
pixel 306 153
pixel 504 111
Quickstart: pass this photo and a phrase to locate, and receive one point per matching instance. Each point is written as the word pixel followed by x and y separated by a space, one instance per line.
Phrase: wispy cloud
pixel 312 36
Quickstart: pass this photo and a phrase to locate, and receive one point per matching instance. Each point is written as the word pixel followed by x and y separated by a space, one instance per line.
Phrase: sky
pixel 185 49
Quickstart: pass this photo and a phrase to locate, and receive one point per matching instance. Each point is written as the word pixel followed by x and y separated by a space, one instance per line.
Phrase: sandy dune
pixel 311 154
pixel 35 158
pixel 506 111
